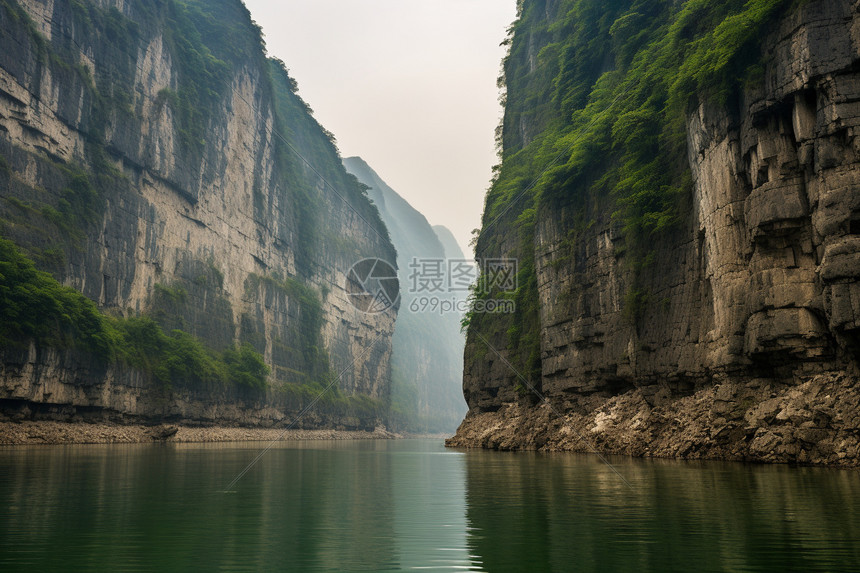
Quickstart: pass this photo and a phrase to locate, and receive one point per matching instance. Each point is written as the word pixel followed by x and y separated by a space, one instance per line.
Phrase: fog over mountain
pixel 449 242
pixel 427 363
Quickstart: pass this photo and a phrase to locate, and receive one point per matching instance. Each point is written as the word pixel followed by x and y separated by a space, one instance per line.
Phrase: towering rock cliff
pixel 154 159
pixel 427 362
pixel 680 185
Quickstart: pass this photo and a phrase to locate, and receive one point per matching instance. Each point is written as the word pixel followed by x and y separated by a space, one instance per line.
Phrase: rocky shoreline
pixel 53 433
pixel 813 422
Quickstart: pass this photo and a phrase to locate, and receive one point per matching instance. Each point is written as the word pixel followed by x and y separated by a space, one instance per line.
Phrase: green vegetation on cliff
pixel 213 64
pixel 600 108
pixel 35 307
pixel 597 94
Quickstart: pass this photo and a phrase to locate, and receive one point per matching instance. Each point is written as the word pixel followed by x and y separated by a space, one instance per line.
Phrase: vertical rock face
pixel 752 294
pixel 428 347
pixel 218 204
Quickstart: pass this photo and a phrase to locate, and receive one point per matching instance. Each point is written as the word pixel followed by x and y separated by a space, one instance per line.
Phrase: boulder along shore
pixel 815 422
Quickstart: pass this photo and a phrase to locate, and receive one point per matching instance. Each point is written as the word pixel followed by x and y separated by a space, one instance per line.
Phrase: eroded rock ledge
pixel 814 422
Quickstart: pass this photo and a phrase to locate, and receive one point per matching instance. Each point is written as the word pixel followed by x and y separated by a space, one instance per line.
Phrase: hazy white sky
pixel 409 85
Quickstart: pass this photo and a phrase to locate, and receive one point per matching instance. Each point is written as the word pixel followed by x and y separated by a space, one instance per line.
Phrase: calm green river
pixel 413 505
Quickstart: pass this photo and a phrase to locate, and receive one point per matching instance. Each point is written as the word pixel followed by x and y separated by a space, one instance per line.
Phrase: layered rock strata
pixel 227 214
pixel 749 344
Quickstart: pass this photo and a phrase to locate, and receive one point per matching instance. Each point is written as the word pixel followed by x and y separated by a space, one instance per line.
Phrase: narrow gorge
pixel 427 361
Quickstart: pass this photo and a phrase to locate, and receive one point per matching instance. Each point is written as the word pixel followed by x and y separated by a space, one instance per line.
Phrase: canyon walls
pixel 427 372
pixel 154 159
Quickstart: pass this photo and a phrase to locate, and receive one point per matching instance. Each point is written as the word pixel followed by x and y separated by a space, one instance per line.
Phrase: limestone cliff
pixel 155 160
pixel 729 327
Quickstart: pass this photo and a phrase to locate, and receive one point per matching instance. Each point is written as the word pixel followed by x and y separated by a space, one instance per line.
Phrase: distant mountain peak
pixel 449 242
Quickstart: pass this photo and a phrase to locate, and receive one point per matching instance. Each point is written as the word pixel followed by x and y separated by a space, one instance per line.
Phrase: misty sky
pixel 409 85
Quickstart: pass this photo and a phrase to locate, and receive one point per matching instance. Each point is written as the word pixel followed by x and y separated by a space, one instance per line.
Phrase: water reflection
pixel 411 504
pixel 570 512
pixel 309 506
